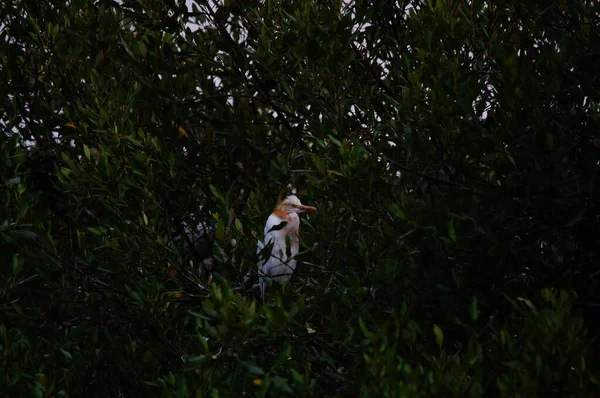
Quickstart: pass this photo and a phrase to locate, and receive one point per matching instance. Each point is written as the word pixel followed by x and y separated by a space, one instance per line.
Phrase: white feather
pixel 278 266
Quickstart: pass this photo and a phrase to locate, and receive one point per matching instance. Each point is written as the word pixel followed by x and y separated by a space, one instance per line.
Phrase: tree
pixel 449 146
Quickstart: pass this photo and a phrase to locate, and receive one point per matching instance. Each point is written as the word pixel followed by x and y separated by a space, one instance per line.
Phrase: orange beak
pixel 305 208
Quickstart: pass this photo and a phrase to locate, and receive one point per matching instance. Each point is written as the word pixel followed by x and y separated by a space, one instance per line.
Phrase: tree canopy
pixel 451 148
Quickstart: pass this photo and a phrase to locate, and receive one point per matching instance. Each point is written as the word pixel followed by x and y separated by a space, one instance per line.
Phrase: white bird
pixel 279 266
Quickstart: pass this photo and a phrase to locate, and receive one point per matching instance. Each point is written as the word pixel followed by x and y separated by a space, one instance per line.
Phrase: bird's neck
pixel 282 213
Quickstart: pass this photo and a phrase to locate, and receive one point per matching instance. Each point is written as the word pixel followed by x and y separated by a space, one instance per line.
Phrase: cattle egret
pixel 279 266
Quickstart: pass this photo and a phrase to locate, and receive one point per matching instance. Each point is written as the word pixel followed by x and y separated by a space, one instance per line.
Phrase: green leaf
pixel 14 264
pixel 238 225
pixel 220 230
pixel 252 368
pixel 335 140
pixel 575 219
pixel 86 151
pixel 67 354
pixel 337 173
pixel 37 392
pixel 550 140
pixel 320 165
pixel 202 340
pixel 29 278
pixel 21 189
pixel 285 87
pixel 439 335
pixel 96 231
pixel 527 302
pixel 19 234
pixel 148 383
pixel 215 192
pixel 428 36
pixel 474 310
pixel 451 232
pixel 134 141
pixel 282 384
pixel 198 360
pixel 397 211
pixel 364 329
pixel 143 49
pixel 502 385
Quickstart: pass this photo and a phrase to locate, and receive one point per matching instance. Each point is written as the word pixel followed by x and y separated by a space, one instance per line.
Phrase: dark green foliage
pixel 451 149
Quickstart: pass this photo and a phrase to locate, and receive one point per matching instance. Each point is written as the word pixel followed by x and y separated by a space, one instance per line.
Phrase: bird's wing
pixel 272 225
pixel 271 221
pixel 260 247
pixel 273 234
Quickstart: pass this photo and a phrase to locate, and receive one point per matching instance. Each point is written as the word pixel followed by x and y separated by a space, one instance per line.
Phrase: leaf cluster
pixel 450 147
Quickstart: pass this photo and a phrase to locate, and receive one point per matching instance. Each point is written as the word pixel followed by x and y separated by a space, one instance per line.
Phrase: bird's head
pixel 292 204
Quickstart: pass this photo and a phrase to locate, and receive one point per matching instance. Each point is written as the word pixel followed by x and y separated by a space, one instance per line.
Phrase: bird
pixel 280 266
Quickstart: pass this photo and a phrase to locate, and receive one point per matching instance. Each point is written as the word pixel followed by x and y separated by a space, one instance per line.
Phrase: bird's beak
pixel 306 208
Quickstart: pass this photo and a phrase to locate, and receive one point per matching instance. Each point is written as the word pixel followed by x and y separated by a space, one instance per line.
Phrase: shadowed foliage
pixel 451 148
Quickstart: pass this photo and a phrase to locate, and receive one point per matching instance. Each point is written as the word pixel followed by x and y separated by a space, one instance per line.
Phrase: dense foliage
pixel 451 148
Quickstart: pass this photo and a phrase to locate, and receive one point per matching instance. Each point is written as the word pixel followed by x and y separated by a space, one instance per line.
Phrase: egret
pixel 284 238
